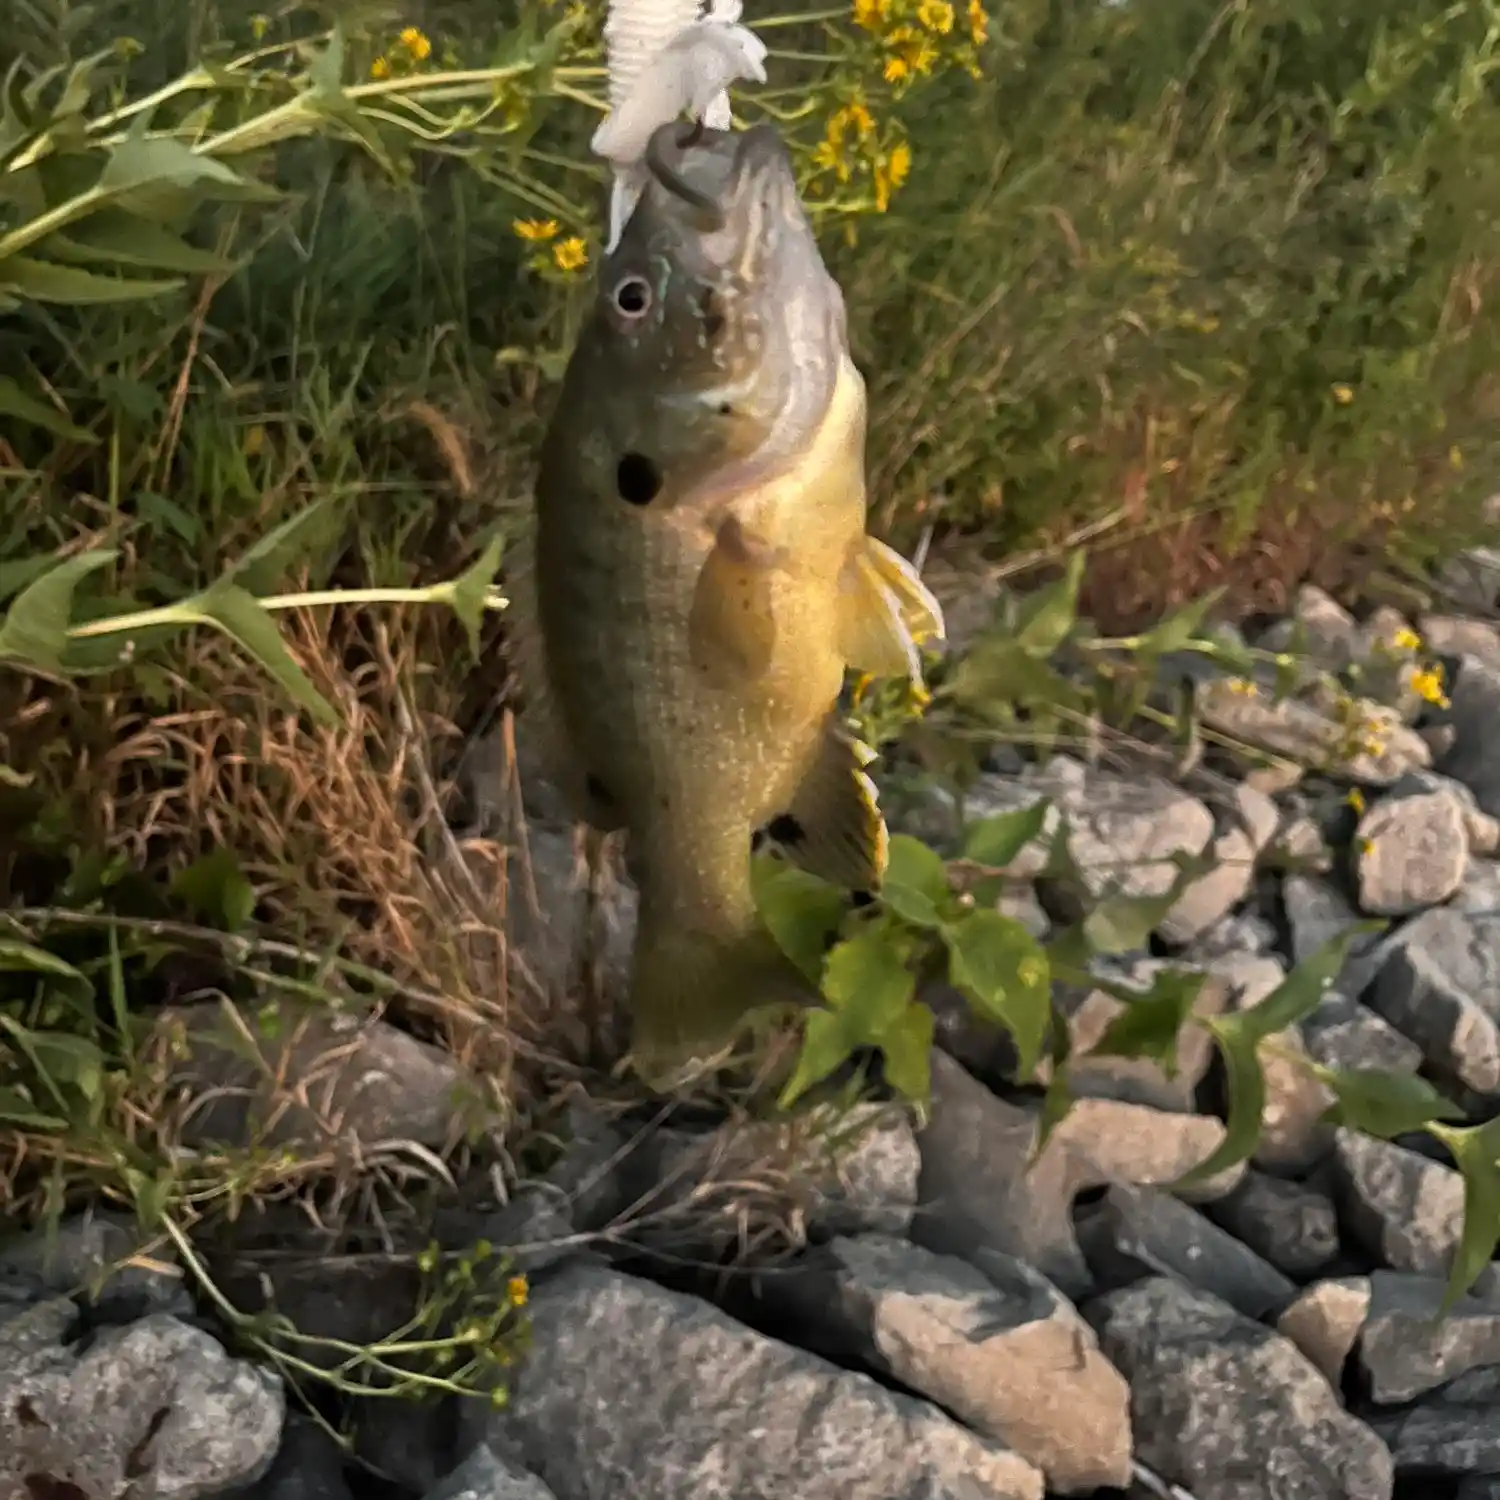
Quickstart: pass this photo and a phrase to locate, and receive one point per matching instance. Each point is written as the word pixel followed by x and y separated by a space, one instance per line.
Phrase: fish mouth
pixel 757 150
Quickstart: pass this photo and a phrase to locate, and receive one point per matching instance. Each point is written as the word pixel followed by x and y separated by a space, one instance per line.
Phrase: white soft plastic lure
pixel 667 58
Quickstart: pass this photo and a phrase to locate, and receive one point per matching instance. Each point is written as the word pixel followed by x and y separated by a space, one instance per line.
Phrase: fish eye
pixel 632 297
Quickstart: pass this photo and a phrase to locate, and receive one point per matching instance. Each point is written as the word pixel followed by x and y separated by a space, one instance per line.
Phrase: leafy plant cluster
pixel 1046 676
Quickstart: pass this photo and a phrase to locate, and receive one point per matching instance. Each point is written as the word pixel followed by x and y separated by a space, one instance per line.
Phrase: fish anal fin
pixel 833 827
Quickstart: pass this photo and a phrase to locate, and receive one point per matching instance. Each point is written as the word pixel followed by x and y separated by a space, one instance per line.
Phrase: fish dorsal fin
pixel 834 828
pixel 886 612
pixel 546 747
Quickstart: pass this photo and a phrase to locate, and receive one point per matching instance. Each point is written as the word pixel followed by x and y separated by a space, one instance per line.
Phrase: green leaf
pixel 42 281
pixel 1237 1045
pixel 907 1048
pixel 1056 1102
pixel 1179 629
pixel 825 1047
pixel 141 160
pixel 17 403
pixel 802 912
pixel 34 632
pixel 1049 614
pixel 262 567
pixel 1382 1102
pixel 216 888
pixel 1299 993
pixel 866 979
pixel 469 592
pixel 118 238
pixel 1475 1151
pixel 1151 1023
pixel 915 885
pixel 1002 970
pixel 240 616
pixel 17 1110
pixel 997 841
pixel 17 957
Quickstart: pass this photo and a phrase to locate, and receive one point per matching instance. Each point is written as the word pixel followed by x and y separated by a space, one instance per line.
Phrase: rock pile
pixel 964 1323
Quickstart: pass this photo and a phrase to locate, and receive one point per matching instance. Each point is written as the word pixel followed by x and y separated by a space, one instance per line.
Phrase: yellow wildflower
pixel 896 69
pixel 890 174
pixel 1242 687
pixel 1456 458
pixel 1356 800
pixel 870 14
pixel 936 15
pixel 380 68
pixel 1367 846
pixel 417 43
pixel 851 117
pixel 570 254
pixel 1427 684
pixel 1406 639
pixel 828 157
pixel 535 229
pixel 517 1290
pixel 1343 394
pixel 979 23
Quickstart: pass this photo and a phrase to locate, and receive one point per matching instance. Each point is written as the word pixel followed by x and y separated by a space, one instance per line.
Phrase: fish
pixel 696 581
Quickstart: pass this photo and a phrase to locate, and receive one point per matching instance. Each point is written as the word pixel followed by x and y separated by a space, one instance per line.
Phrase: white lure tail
pixel 667 58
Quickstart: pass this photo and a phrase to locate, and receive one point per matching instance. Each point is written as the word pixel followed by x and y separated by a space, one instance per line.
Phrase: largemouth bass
pixel 699 578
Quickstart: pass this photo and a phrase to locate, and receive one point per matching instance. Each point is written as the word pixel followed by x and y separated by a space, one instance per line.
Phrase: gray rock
pixel 1318 627
pixel 1242 933
pixel 1325 1322
pixel 1342 1033
pixel 1411 852
pixel 410 1443
pixel 631 1389
pixel 1438 1439
pixel 1290 1225
pixel 1440 985
pixel 1458 635
pixel 1408 1347
pixel 482 1476
pixel 308 1466
pixel 1210 898
pixel 94 1254
pixel 296 1076
pixel 1479 1487
pixel 1303 734
pixel 1229 1409
pixel 1317 912
pixel 1132 1234
pixel 1474 713
pixel 1301 847
pixel 995 1344
pixel 153 1411
pixel 1472 579
pixel 1404 1209
pixel 979 1188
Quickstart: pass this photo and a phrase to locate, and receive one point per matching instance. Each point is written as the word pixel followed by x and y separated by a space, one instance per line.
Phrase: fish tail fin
pixel 694 994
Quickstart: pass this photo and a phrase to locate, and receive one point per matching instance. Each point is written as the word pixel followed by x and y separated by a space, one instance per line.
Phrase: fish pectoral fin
pixel 920 610
pixel 732 619
pixel 872 636
pixel 834 828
